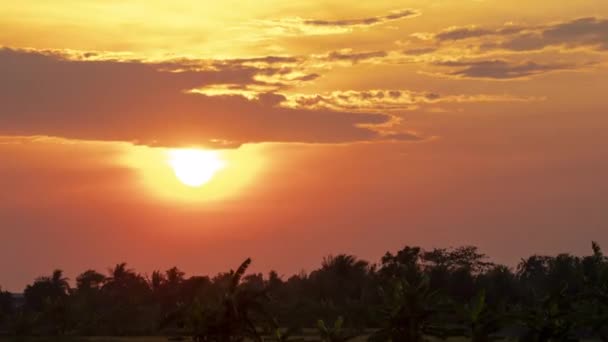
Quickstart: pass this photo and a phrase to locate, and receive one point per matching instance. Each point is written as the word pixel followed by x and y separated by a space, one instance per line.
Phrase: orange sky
pixel 353 127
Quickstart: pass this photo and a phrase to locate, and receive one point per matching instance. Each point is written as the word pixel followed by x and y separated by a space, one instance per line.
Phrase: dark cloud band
pixel 45 94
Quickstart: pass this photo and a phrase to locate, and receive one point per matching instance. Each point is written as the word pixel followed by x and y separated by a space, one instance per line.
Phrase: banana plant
pixel 479 322
pixel 550 319
pixel 234 319
pixel 274 332
pixel 410 313
pixel 335 332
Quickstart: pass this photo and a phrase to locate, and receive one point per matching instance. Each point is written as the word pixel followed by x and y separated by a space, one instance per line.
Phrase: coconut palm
pixel 127 296
pixel 90 280
pixel 86 301
pixel 55 286
pixel 47 297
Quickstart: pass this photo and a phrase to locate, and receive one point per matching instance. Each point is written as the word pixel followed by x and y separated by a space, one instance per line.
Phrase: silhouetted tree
pixel 47 297
pixel 129 302
pixel 406 264
pixel 234 317
pixel 593 306
pixel 423 293
pixel 87 302
pixel 6 306
pixel 343 284
pixel 549 318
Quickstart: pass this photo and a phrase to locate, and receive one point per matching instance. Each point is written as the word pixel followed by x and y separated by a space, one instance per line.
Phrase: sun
pixel 194 176
pixel 195 167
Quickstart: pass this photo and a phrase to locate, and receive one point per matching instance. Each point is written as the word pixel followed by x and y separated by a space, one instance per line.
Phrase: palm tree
pixel 87 301
pixel 47 297
pixel 127 297
pixel 90 280
pixel 56 307
pixel 119 273
pixel 343 285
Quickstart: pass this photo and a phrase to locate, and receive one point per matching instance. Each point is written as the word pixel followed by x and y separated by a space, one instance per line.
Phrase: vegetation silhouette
pixel 413 295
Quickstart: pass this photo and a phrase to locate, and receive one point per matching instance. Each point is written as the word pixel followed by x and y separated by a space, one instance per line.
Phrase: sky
pixel 333 126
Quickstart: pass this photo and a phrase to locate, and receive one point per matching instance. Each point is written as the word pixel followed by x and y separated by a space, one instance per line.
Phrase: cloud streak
pixel 589 32
pixel 389 100
pixel 502 69
pixel 466 32
pixel 400 14
pixel 295 26
pixel 354 57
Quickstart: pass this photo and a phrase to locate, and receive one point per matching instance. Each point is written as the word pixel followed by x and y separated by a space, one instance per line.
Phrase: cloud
pixel 44 94
pixel 295 26
pixel 501 69
pixel 265 60
pixel 590 32
pixel 582 32
pixel 400 14
pixel 466 32
pixel 354 57
pixel 388 100
pixel 419 51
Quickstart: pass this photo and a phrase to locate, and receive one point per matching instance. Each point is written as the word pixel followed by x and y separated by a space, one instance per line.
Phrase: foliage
pixel 410 313
pixel 410 295
pixel 480 323
pixel 335 332
pixel 234 317
pixel 549 319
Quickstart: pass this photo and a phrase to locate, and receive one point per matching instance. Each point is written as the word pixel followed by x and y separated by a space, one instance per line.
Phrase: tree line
pixel 408 296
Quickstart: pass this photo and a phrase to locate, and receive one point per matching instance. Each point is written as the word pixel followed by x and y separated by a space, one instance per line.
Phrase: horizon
pixel 253 270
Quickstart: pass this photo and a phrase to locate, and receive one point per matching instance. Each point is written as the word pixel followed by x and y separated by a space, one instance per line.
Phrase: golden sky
pixel 332 126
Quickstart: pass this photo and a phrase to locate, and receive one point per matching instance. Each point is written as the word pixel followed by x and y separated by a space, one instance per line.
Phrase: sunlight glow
pixel 194 176
pixel 194 167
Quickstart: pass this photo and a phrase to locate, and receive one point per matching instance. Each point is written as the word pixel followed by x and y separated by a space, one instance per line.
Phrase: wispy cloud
pixel 502 69
pixel 589 32
pixel 389 100
pixel 293 26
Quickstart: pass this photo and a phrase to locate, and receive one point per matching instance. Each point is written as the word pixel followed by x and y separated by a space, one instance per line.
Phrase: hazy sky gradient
pixel 347 127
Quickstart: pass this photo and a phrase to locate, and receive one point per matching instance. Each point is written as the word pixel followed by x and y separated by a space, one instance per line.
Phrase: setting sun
pixel 194 167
